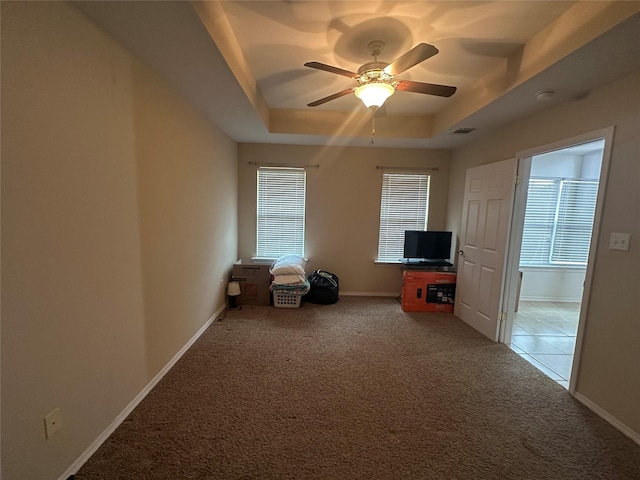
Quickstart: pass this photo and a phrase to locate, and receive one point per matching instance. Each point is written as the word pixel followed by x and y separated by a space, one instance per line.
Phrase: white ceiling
pixel 241 62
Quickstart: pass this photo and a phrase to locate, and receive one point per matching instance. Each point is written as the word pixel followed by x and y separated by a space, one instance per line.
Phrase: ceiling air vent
pixel 462 131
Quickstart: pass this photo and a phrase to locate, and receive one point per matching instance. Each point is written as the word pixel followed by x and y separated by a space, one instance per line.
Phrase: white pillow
pixel 289 265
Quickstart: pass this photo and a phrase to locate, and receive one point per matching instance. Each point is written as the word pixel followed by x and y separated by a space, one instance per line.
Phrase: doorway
pixel 548 272
pixel 544 334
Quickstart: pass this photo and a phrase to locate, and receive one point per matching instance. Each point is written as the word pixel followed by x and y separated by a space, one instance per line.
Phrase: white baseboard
pixel 635 436
pixel 134 403
pixel 370 294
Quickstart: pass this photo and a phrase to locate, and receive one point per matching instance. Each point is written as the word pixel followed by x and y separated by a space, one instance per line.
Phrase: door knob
pixel 461 252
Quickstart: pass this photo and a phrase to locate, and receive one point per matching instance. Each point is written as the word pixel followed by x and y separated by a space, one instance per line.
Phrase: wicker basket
pixel 286 300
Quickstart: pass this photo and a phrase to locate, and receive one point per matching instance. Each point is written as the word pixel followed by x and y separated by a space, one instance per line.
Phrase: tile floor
pixel 544 334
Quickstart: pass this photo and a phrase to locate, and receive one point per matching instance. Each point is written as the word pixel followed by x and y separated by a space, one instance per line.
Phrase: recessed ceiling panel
pixel 278 37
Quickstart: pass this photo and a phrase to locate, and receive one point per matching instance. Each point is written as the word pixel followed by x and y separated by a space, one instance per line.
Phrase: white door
pixel 486 219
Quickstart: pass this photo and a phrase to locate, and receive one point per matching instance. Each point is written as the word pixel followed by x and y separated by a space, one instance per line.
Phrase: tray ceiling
pixel 241 63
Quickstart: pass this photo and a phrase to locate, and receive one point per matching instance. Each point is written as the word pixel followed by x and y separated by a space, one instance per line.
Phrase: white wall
pixel 564 165
pixel 591 165
pixel 119 218
pixel 609 373
pixel 555 165
pixel 552 284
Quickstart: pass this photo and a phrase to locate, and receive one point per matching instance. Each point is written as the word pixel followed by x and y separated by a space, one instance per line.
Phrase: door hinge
pixel 502 316
pixel 518 179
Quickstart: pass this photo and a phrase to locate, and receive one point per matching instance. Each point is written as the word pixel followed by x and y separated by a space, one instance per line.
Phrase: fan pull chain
pixel 373 126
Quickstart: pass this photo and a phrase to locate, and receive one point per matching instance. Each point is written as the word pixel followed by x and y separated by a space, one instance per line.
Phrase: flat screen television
pixel 427 245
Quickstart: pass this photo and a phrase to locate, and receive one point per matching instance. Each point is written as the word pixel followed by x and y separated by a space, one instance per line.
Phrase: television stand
pixel 424 263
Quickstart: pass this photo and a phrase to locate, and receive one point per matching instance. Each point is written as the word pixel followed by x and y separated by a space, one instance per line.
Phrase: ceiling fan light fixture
pixel 374 94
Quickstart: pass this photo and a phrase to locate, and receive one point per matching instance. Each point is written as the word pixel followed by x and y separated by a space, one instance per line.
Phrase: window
pixel 558 222
pixel 539 219
pixel 404 206
pixel 281 205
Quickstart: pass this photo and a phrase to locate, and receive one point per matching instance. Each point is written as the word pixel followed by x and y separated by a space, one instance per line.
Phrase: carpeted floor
pixel 358 390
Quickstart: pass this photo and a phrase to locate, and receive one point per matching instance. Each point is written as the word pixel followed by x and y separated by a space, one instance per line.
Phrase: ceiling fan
pixel 377 80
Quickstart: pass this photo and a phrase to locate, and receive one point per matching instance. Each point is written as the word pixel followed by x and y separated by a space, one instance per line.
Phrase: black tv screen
pixel 427 244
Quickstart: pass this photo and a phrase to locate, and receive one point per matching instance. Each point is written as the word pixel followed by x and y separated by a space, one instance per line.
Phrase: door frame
pixel 517 225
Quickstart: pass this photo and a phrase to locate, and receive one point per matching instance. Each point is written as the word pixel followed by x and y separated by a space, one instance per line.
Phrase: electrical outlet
pixel 52 423
pixel 619 241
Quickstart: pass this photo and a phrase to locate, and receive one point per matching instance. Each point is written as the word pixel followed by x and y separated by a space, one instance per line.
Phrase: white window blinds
pixel 576 210
pixel 404 206
pixel 281 207
pixel 558 222
pixel 539 221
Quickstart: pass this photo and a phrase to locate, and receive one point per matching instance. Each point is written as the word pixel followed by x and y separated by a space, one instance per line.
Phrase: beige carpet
pixel 358 390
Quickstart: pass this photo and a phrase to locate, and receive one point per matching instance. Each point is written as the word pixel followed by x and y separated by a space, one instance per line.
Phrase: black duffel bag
pixel 324 288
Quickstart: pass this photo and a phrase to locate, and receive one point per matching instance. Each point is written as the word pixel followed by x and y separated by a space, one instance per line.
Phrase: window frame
pixel 394 205
pixel 289 195
pixel 566 222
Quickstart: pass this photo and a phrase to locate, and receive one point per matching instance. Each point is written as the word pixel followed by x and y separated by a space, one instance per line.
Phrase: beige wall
pixel 609 374
pixel 342 207
pixel 119 219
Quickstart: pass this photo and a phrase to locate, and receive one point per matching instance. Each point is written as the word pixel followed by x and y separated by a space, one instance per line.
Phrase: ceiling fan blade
pixel 428 88
pixel 417 54
pixel 330 97
pixel 330 69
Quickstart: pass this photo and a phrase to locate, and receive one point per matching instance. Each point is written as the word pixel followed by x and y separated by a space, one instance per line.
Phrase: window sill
pixel 551 268
pixel 387 263
pixel 269 261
